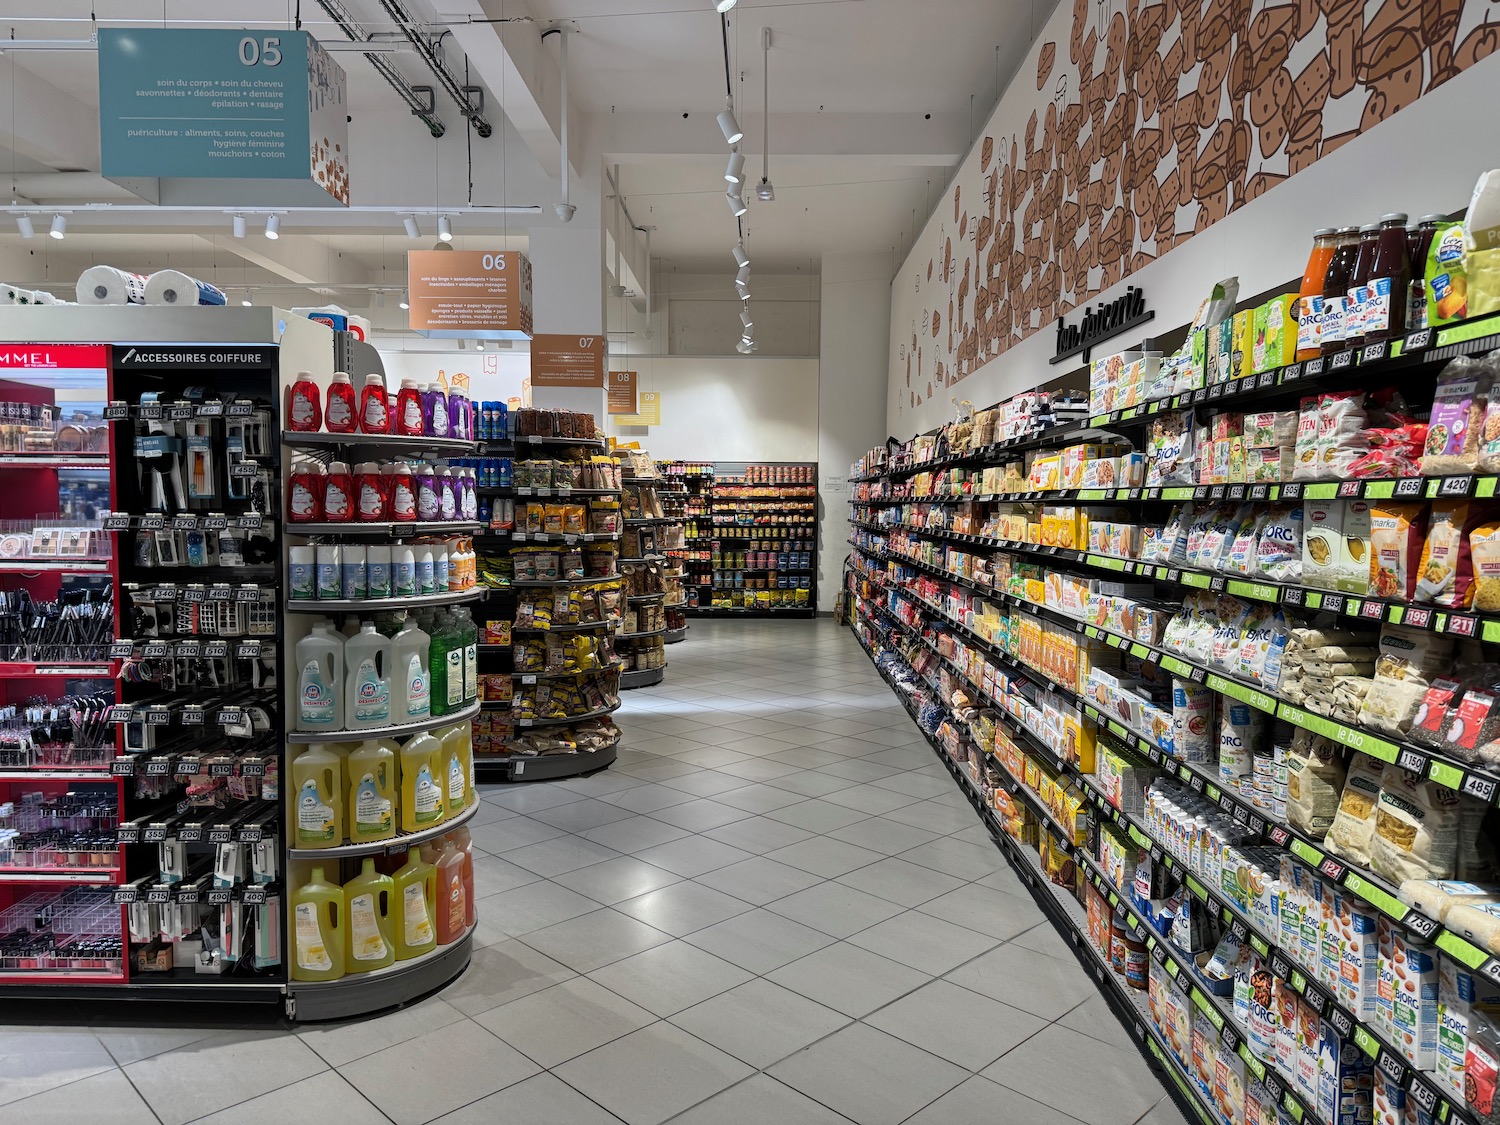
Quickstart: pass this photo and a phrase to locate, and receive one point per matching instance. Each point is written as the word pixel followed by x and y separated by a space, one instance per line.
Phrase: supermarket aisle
pixel 776 907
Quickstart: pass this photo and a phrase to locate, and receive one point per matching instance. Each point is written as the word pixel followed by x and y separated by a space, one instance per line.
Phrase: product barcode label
pixel 1279 836
pixel 1274 1086
pixel 1239 930
pixel 184 521
pixel 1333 603
pixel 1348 489
pixel 1412 761
pixel 231 717
pixel 182 411
pixel 247 594
pixel 1417 618
pixel 158 767
pixel 151 411
pixel 215 650
pixel 1390 1065
pixel 1291 597
pixel 215 523
pixel 1423 1094
pixel 240 409
pixel 1258 492
pixel 247 650
pixel 1291 492
pixel 1331 867
pixel 1280 966
pixel 153 521
pixel 1461 625
pixel 122 767
pixel 1267 379
pixel 1373 610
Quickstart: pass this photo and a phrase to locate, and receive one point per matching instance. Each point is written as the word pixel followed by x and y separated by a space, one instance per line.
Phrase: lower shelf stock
pixel 544 767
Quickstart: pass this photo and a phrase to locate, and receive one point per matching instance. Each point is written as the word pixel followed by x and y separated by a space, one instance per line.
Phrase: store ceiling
pixel 855 157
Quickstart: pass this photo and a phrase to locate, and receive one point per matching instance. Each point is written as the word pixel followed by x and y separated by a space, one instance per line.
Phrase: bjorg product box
pixel 1406 1007
pixel 1345 1079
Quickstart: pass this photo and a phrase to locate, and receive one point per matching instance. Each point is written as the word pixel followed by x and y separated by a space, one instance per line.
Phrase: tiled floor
pixel 775 907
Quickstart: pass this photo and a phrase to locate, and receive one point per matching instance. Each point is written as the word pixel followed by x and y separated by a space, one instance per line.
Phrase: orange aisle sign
pixel 565 360
pixel 622 386
pixel 469 293
pixel 647 411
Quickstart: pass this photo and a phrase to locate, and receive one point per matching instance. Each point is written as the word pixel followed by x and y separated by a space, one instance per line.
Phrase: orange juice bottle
pixel 1310 297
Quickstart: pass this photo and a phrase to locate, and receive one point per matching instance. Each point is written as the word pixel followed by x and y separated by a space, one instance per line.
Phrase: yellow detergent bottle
pixel 369 919
pixel 458 765
pixel 422 790
pixel 371 811
pixel 317 930
pixel 317 798
pixel 416 891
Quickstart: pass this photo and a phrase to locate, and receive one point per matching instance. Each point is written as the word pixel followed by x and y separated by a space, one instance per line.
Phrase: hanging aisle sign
pixel 223 104
pixel 564 360
pixel 469 294
pixel 622 388
pixel 648 411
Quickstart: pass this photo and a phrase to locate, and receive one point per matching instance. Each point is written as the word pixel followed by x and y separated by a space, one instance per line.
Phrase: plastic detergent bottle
pixel 401 492
pixel 371 813
pixel 367 700
pixel 465 844
pixel 411 676
pixel 435 411
pixel 468 640
pixel 458 765
pixel 460 415
pixel 447 494
pixel 370 487
pixel 305 489
pixel 317 793
pixel 446 659
pixel 403 571
pixel 409 409
pixel 451 902
pixel 374 406
pixel 416 891
pixel 320 678
pixel 369 899
pixel 338 493
pixel 422 792
pixel 341 415
pixel 304 412
pixel 429 501
pixel 317 930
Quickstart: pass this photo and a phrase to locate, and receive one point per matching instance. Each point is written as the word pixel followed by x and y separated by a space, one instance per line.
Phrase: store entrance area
pixel 776 906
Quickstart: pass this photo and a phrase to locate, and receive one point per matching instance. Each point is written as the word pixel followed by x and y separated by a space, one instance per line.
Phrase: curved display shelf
pixel 304 737
pixel 645 677
pixel 404 528
pixel 672 636
pixel 397 843
pixel 547 767
pixel 361 993
pixel 523 582
pixel 533 677
pixel 562 722
pixel 547 439
pixel 641 480
pixel 577 627
pixel 397 443
pixel 638 636
pixel 451 597
pixel 643 559
pixel 646 597
pixel 652 519
pixel 546 536
pixel 559 493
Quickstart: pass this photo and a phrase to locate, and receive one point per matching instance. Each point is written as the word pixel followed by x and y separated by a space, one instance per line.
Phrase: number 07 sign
pixel 563 360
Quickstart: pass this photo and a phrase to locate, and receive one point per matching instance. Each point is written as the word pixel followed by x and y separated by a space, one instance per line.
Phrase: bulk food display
pixel 675 499
pixel 1216 654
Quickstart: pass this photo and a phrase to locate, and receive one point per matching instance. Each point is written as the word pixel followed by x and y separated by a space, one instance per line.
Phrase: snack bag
pixel 1305 449
pixel 1458 410
pixel 1444 575
pixel 1447 279
pixel 1395 550
pixel 1278 551
pixel 1341 437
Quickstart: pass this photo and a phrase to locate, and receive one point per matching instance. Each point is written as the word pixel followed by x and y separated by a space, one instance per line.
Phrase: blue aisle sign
pixel 212 103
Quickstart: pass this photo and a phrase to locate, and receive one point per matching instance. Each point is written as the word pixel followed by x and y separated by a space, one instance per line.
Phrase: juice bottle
pixel 465 844
pixel 320 678
pixel 305 491
pixel 338 493
pixel 374 406
pixel 412 675
pixel 1359 280
pixel 408 409
pixel 1390 277
pixel 369 901
pixel 317 793
pixel 451 902
pixel 1310 297
pixel 370 488
pixel 371 811
pixel 341 415
pixel 458 765
pixel 1418 242
pixel 416 892
pixel 317 930
pixel 368 698
pixel 304 410
pixel 1336 289
pixel 422 804
pixel 401 490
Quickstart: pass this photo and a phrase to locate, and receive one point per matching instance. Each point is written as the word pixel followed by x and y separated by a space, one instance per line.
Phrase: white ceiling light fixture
pixel 722 6
pixel 445 229
pixel 412 229
pixel 237 225
pixel 733 134
pixel 403 302
pixel 764 191
pixel 742 347
pixel 479 345
pixel 245 300
pixel 380 298
pixel 743 290
pixel 746 321
pixel 740 257
pixel 23 224
pixel 743 276
pixel 273 227
pixel 59 229
pixel 736 204
pixel 735 172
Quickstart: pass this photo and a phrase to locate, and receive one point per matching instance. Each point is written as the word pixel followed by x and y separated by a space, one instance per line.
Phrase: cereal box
pixel 1345 1079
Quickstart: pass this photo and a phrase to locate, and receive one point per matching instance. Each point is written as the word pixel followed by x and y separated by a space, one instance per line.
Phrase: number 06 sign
pixel 565 360
pixel 469 293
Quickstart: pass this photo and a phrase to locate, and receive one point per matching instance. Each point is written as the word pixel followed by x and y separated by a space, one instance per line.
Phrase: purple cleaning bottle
pixel 460 415
pixel 447 494
pixel 468 506
pixel 429 502
pixel 434 411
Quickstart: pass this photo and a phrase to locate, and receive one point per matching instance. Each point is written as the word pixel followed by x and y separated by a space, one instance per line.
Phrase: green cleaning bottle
pixel 318 930
pixel 446 661
pixel 468 634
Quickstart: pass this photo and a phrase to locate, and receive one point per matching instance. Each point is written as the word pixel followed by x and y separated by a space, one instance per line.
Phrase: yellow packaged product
pixel 1484 556
pixel 1046 471
pixel 1275 333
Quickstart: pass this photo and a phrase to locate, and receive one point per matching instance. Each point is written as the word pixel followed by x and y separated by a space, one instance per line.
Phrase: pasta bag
pixel 1353 828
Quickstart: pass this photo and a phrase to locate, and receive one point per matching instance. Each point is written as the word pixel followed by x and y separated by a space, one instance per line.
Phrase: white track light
pixel 742 347
pixel 479 345
pixel 445 229
pixel 733 134
pixel 238 226
pixel 412 230
pixel 404 303
pixel 736 204
pixel 273 227
pixel 380 298
pixel 740 257
pixel 23 224
pixel 59 229
pixel 722 6
pixel 245 300
pixel 743 276
pixel 765 192
pixel 462 344
pixel 746 321
pixel 735 173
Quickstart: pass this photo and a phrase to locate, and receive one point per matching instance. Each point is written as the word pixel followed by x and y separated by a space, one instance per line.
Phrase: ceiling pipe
pixel 564 209
pixel 460 93
pixel 420 107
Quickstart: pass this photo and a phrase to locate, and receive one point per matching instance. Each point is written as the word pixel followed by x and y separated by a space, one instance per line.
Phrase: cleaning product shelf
pixel 394 443
pixel 357 993
pixel 400 730
pixel 414 601
pixel 395 845
pixel 545 767
pixel 399 529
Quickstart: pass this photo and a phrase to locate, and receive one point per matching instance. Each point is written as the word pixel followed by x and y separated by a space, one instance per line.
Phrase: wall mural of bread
pixel 1157 121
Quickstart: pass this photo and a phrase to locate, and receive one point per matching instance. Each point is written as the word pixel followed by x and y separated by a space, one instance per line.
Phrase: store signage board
pixel 622 392
pixel 150 357
pixel 469 294
pixel 54 357
pixel 263 113
pixel 1101 323
pixel 648 411
pixel 564 359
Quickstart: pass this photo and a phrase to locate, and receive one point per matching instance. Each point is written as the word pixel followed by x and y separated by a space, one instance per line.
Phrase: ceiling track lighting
pixel 746 321
pixel 722 6
pixel 380 298
pixel 733 134
pixel 740 257
pixel 744 292
pixel 742 347
pixel 479 345
pixel 412 229
pixel 59 229
pixel 764 191
pixel 403 302
pixel 735 172
pixel 445 229
pixel 238 226
pixel 273 227
pixel 736 204
pixel 23 224
pixel 743 276
pixel 245 300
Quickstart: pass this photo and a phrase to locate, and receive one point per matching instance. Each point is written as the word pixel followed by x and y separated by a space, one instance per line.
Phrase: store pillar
pixel 568 295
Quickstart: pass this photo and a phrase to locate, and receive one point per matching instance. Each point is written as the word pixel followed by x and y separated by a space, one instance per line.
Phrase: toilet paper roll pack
pixel 106 285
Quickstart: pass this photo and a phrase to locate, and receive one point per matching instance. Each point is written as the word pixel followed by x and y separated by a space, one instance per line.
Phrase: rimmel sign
pixel 469 294
pixel 1099 324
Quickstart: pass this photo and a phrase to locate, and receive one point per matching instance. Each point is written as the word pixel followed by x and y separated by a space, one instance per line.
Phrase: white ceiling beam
pixel 47 123
pixel 907 139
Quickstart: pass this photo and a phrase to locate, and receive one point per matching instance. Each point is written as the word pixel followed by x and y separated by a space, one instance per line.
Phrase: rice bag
pixel 1416 829
pixel 1353 828
pixel 1445 572
pixel 1457 422
pixel 1395 550
pixel 1278 550
pixel 1436 897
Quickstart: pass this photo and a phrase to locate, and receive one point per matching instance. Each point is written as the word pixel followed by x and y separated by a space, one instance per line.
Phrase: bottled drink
pixel 1358 302
pixel 1418 242
pixel 1310 298
pixel 1336 288
pixel 1385 311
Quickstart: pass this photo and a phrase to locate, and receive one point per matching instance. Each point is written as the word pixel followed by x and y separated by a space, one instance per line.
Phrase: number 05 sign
pixel 563 360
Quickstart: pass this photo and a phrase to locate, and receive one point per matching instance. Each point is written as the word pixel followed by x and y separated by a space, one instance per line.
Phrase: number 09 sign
pixel 565 360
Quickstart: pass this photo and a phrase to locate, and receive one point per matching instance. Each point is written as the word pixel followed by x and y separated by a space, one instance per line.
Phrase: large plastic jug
pixel 317 930
pixel 416 891
pixel 411 677
pixel 318 798
pixel 447 662
pixel 465 844
pixel 368 657
pixel 451 903
pixel 422 792
pixel 371 812
pixel 468 637
pixel 369 907
pixel 320 679
pixel 458 765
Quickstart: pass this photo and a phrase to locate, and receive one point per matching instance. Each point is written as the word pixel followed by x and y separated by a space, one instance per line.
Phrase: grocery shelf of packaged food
pixel 643 677
pixel 393 730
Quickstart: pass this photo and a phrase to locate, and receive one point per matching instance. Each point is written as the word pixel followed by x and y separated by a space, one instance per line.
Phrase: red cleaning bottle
pixel 374 406
pixel 409 409
pixel 339 415
pixel 304 412
pixel 304 502
pixel 370 484
pixel 400 491
pixel 338 494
